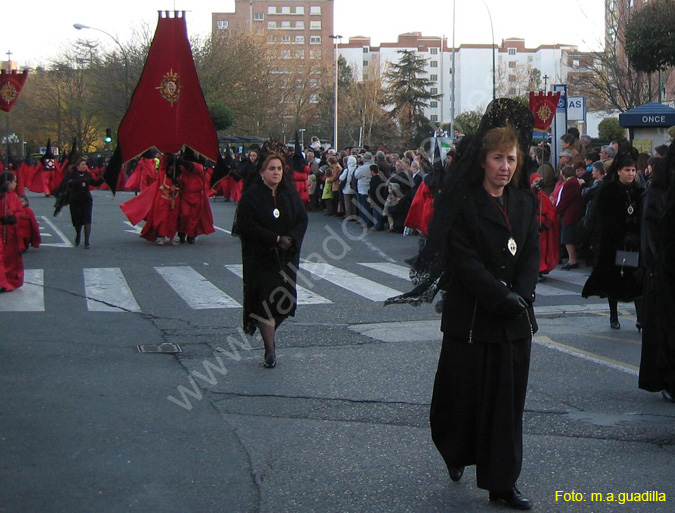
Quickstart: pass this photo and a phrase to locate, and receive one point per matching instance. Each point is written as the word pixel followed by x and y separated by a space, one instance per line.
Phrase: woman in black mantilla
pixel 618 210
pixel 272 223
pixel 74 191
pixel 483 251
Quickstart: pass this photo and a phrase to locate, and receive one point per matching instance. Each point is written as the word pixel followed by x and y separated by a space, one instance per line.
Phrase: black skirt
pixel 80 213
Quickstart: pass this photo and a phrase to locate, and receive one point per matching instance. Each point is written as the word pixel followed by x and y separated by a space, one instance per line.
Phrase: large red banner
pixel 168 109
pixel 11 83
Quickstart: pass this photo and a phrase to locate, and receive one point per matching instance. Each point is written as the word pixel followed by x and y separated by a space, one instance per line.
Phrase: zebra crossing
pixel 107 289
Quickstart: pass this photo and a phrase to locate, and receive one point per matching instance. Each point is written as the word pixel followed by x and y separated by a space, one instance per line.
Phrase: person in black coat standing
pixel 272 222
pixel 619 211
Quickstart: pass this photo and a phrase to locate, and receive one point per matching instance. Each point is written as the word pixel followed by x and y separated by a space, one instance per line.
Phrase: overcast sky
pixel 36 30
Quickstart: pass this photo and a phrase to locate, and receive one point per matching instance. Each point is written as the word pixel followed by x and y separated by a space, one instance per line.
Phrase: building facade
pixel 482 71
pixel 301 28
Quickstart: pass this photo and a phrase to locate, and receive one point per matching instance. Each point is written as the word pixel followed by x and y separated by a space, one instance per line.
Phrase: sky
pixel 37 30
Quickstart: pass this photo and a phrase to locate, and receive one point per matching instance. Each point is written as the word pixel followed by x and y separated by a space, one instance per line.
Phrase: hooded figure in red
pixel 11 261
pixel 549 238
pixel 300 171
pixel 195 216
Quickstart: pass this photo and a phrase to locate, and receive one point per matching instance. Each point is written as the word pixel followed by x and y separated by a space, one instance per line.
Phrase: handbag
pixel 625 258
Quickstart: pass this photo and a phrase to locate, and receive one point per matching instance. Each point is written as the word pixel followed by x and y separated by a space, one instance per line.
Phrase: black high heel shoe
pixel 270 361
pixel 456 473
pixel 513 498
pixel 614 323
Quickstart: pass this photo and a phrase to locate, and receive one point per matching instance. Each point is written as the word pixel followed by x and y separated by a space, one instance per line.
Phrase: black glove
pixel 285 242
pixel 7 220
pixel 512 305
pixel 542 228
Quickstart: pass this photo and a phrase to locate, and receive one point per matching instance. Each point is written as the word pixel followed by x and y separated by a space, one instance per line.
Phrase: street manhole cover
pixel 165 348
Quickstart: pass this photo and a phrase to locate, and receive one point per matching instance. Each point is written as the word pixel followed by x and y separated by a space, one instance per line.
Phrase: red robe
pixel 159 205
pixel 196 217
pixel 11 261
pixel 421 209
pixel 29 229
pixel 549 240
pixel 300 179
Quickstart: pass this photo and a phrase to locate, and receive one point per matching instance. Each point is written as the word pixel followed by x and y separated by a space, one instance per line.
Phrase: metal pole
pixel 335 113
pixel 494 72
pixel 452 77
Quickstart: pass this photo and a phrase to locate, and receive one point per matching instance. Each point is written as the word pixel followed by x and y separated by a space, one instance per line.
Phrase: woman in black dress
pixel 483 251
pixel 618 210
pixel 272 222
pixel 74 190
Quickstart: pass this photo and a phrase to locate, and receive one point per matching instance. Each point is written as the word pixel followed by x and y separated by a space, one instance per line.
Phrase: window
pixel 271 39
pixel 299 40
pixel 433 64
pixel 530 58
pixel 314 98
pixel 314 40
pixel 286 10
pixel 433 78
pixel 299 25
pixel 366 49
pixel 512 51
pixel 513 78
pixel 271 10
pixel 299 9
pixel 433 104
pixel 433 117
pixel 512 64
pixel 271 25
pixel 314 25
pixel 299 54
pixel 433 51
pixel 285 54
pixel 258 16
pixel 575 63
pixel 315 9
pixel 285 24
pixel 222 24
pixel 365 63
pixel 315 54
pixel 285 39
pixel 512 91
pixel 434 90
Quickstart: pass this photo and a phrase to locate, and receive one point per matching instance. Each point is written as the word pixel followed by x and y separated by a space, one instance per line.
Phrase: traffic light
pixel 108 136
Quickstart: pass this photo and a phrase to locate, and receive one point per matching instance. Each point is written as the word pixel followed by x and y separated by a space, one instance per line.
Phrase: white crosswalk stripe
pixel 30 297
pixel 305 296
pixel 108 291
pixel 350 281
pixel 195 290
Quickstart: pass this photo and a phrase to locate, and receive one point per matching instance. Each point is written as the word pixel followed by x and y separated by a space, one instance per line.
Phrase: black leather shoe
pixel 513 498
pixel 667 396
pixel 614 324
pixel 568 266
pixel 270 361
pixel 456 473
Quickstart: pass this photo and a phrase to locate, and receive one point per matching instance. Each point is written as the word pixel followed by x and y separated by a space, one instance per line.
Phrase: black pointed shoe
pixel 513 498
pixel 456 473
pixel 614 323
pixel 270 361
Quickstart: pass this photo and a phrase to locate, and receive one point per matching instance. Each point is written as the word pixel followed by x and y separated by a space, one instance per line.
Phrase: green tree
pixel 408 91
pixel 609 129
pixel 468 122
pixel 222 115
pixel 650 37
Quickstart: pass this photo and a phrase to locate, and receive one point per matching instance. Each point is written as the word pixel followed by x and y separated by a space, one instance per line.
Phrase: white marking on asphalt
pixel 66 242
pixel 350 281
pixel 134 229
pixel 378 251
pixel 196 290
pixel 305 296
pixel 28 298
pixel 107 290
pixel 399 271
pixel 222 230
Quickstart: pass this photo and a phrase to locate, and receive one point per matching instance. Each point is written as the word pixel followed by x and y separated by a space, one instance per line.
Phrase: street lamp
pixel 80 26
pixel 336 39
pixel 494 71
pixel 302 137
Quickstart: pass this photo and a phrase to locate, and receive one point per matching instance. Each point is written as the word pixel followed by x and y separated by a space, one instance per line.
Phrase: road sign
pixel 576 108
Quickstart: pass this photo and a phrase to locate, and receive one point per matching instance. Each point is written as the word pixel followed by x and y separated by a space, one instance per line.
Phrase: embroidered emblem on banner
pixel 544 113
pixel 170 87
pixel 8 93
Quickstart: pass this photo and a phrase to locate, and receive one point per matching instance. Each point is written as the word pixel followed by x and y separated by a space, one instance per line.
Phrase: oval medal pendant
pixel 630 210
pixel 276 213
pixel 512 246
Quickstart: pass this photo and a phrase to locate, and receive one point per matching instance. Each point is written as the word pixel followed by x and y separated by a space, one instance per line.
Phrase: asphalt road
pixel 88 423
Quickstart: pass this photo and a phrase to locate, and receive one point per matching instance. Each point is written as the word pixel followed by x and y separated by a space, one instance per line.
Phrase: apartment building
pixel 516 68
pixel 302 28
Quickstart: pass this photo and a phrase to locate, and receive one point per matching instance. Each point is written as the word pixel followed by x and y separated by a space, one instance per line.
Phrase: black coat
pixel 269 272
pixel 481 381
pixel 618 230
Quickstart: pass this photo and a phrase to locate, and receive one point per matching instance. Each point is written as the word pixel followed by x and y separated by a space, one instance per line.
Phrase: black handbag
pixel 625 258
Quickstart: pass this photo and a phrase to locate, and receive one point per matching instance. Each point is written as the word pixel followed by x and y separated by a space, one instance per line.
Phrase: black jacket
pixel 482 270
